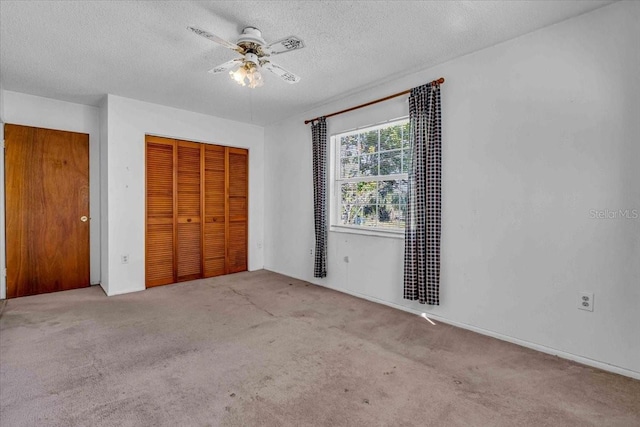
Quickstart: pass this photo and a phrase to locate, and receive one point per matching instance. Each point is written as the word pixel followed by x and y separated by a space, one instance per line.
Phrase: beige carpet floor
pixel 262 349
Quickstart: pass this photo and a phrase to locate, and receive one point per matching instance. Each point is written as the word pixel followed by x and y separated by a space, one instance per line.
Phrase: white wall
pixel 128 122
pixel 29 110
pixel 537 132
pixel 104 193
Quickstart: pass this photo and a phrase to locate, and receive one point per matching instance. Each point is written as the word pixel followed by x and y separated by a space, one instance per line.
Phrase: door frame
pixel 3 240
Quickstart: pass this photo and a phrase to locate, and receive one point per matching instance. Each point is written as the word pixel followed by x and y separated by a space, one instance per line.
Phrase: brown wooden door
pixel 189 246
pixel 47 210
pixel 237 197
pixel 160 231
pixel 214 231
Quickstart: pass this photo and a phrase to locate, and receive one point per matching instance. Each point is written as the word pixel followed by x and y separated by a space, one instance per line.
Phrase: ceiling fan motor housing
pixel 251 35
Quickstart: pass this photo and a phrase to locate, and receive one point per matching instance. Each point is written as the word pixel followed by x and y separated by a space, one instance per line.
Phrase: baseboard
pixel 538 347
pixel 123 291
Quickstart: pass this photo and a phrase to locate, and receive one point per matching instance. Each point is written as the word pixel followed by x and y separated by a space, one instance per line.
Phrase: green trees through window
pixel 371 180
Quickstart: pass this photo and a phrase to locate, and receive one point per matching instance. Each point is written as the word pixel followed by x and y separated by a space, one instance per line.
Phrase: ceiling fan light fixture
pixel 248 74
pixel 239 75
pixel 254 76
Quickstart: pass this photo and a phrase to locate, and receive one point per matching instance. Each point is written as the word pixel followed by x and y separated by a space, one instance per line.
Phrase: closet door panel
pixel 160 236
pixel 214 211
pixel 237 197
pixel 237 208
pixel 189 247
pixel 237 247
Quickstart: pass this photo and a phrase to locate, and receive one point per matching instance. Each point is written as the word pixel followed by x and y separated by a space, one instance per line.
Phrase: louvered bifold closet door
pixel 160 236
pixel 237 198
pixel 214 234
pixel 197 216
pixel 189 248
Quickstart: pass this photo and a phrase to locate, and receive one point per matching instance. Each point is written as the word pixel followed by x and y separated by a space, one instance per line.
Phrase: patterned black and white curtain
pixel 319 137
pixel 422 230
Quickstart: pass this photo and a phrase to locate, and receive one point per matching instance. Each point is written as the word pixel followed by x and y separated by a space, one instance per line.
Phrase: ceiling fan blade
pixel 216 39
pixel 285 45
pixel 226 66
pixel 285 75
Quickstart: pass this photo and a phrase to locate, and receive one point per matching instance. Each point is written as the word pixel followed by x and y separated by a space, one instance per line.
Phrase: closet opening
pixel 196 210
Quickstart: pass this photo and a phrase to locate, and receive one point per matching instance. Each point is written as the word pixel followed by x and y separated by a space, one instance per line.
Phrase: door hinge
pixel 5 272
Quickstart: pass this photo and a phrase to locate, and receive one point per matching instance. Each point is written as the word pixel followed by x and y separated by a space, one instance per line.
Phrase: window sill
pixel 376 232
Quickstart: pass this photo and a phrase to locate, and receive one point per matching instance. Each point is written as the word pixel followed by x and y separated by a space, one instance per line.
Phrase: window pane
pixel 392 192
pixel 366 193
pixel 402 187
pixel 369 141
pixel 349 193
pixel 389 216
pixel 350 213
pixel 391 138
pixel 349 146
pixel 369 216
pixel 369 164
pixel 349 167
pixel 390 162
pixel 406 160
pixel 406 128
pixel 385 191
pixel 401 216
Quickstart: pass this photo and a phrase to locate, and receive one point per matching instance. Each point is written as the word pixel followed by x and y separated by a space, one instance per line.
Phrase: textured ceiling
pixel 80 50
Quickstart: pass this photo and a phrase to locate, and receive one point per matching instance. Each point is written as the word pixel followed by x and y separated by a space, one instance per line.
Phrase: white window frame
pixel 335 205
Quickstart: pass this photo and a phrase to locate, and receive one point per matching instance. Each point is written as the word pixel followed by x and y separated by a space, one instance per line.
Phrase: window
pixel 370 177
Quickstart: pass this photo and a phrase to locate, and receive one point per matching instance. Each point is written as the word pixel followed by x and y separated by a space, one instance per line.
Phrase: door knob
pixel 83 218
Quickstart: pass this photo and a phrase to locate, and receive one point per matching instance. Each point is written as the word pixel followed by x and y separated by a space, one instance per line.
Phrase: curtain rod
pixel 395 95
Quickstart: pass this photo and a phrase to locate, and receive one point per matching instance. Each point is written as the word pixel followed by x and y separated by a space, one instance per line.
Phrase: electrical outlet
pixel 311 252
pixel 124 259
pixel 585 301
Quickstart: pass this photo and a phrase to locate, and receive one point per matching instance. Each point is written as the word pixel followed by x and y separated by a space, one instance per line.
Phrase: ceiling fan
pixel 255 55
